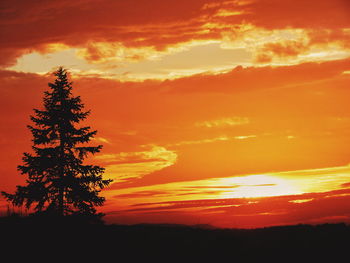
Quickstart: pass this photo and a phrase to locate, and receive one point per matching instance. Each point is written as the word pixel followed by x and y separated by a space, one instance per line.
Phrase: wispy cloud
pixel 101 139
pixel 213 140
pixel 127 165
pixel 224 122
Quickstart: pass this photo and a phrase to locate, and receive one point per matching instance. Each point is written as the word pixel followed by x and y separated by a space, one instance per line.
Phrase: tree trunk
pixel 61 185
pixel 61 208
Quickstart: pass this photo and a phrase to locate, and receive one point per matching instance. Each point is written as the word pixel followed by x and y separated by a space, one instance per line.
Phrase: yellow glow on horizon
pixel 260 185
pixel 246 186
pixel 318 180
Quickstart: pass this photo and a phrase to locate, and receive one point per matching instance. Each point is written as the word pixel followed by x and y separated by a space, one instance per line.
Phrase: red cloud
pixel 315 14
pixel 240 79
pixel 289 48
pixel 326 36
pixel 137 23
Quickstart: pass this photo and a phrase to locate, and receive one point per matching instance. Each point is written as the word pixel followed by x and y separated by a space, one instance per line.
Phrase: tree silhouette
pixel 58 181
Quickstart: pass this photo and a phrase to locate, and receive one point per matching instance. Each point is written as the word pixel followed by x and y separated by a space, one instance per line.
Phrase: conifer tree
pixel 58 181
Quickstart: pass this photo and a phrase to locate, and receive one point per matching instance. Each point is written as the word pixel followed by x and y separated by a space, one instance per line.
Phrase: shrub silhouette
pixel 58 182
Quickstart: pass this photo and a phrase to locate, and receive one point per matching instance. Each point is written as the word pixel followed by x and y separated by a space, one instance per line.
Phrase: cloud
pixel 282 49
pixel 259 185
pixel 277 198
pixel 142 194
pixel 127 165
pixel 299 14
pixel 346 185
pixel 233 121
pixel 244 79
pixel 309 44
pixel 211 140
pixel 137 23
pixel 313 208
pixel 222 138
pixel 327 36
pixel 101 139
pixel 87 24
pixel 227 12
pixel 107 52
pixel 115 61
pixel 248 213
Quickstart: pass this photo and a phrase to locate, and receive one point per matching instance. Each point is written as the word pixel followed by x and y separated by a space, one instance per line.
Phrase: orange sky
pixel 231 113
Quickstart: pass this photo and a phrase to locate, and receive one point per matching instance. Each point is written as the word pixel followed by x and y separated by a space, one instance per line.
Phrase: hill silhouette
pixel 85 240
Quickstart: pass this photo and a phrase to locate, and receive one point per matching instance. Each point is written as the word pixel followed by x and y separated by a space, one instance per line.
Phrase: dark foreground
pixel 50 240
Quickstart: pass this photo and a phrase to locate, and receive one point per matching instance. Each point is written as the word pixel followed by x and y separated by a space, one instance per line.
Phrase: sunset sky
pixel 231 113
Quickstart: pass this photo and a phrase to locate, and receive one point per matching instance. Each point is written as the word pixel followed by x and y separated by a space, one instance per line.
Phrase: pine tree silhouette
pixel 58 181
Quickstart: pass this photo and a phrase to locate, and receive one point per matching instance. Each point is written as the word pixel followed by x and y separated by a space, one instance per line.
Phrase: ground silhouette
pixel 80 238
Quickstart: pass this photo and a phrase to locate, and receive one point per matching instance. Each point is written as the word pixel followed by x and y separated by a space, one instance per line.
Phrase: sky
pixel 230 113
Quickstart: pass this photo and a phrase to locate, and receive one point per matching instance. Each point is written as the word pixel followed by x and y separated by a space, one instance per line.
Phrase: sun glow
pixel 259 185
